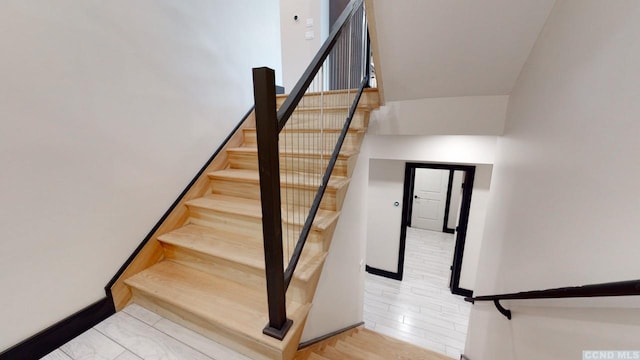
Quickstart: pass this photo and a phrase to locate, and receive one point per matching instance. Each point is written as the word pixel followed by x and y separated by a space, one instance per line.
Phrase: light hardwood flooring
pixel 420 309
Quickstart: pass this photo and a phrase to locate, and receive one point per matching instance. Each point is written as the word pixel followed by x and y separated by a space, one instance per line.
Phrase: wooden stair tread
pixel 252 208
pixel 344 108
pixel 332 353
pixel 298 179
pixel 380 349
pixel 236 247
pixel 208 264
pixel 362 344
pixel 332 92
pixel 345 153
pixel 357 352
pixel 218 301
pixel 314 356
pixel 398 349
pixel 331 130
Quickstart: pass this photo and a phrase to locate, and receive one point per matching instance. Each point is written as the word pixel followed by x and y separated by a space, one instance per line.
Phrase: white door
pixel 429 198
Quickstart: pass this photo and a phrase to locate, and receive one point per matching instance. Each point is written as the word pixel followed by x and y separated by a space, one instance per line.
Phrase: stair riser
pixel 211 278
pixel 247 225
pixel 216 332
pixel 332 199
pixel 343 167
pixel 316 141
pixel 327 120
pixel 367 100
pixel 311 285
pixel 299 290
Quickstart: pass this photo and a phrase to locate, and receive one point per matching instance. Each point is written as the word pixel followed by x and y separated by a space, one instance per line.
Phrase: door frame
pixel 447 209
pixel 465 207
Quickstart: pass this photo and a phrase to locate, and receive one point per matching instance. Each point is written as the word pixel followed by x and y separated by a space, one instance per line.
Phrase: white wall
pixel 563 208
pixel 466 115
pixel 340 293
pixel 297 51
pixel 385 187
pixel 107 111
pixel 447 149
pixel 475 226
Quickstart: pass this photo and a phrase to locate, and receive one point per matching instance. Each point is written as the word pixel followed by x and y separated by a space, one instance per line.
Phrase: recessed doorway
pixel 428 193
pixel 436 197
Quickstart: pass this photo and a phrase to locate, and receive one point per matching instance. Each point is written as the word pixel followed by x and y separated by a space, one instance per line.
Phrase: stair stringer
pixel 151 252
pixel 342 270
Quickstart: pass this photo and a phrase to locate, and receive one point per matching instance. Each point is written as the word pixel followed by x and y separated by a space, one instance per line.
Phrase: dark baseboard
pixel 463 357
pixel 60 333
pixel 308 343
pixel 279 90
pixel 385 273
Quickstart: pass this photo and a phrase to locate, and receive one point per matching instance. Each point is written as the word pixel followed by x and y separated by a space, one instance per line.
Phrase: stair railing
pixel 291 201
pixel 618 288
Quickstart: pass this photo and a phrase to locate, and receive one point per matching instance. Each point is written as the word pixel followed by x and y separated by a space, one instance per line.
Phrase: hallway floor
pixel 139 334
pixel 420 309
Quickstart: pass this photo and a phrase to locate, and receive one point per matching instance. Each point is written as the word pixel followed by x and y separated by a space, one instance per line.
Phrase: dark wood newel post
pixel 264 91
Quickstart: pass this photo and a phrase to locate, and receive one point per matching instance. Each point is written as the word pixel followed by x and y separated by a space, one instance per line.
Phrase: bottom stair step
pixel 363 344
pixel 314 356
pixel 390 348
pixel 357 353
pixel 220 309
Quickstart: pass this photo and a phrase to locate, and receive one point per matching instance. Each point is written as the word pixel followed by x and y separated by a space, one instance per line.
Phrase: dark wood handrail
pixel 618 288
pixel 269 123
pixel 298 91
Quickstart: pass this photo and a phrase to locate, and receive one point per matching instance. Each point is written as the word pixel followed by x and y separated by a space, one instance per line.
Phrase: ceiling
pixel 446 48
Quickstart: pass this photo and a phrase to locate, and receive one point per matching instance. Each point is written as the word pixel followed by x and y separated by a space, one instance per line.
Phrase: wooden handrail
pixel 618 288
pixel 269 123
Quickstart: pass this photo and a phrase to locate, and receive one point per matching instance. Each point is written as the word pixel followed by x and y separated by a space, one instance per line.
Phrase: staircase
pixel 210 276
pixel 363 344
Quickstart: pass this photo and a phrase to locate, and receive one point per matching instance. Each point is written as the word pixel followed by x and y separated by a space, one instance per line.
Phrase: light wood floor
pixel 420 310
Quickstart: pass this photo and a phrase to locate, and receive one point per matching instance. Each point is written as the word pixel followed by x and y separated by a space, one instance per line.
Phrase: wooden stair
pixel 363 344
pixel 204 267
